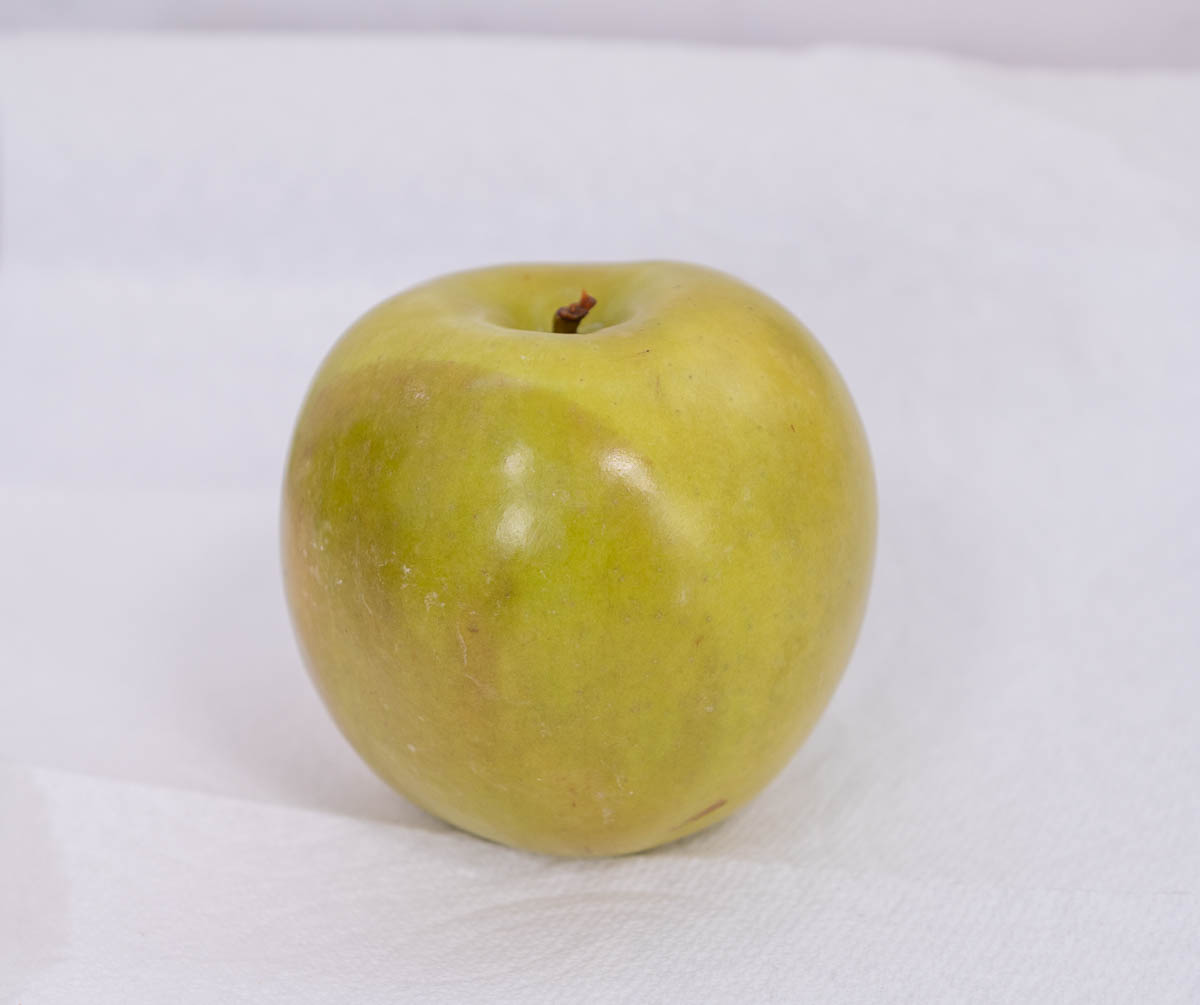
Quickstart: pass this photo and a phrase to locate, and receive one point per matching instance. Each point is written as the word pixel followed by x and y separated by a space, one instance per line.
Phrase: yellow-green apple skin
pixel 580 593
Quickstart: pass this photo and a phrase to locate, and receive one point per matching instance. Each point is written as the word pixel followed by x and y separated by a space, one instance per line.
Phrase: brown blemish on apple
pixel 703 813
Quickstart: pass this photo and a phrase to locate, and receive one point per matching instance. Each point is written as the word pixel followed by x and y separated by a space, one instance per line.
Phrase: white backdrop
pixel 1066 32
pixel 1001 803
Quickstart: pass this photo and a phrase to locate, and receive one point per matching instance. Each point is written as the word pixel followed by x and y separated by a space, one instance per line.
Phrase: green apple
pixel 579 591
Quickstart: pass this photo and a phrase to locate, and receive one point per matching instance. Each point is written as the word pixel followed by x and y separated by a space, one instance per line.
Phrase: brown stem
pixel 566 319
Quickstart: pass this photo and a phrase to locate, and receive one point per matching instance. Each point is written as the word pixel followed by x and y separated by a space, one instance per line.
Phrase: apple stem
pixel 566 319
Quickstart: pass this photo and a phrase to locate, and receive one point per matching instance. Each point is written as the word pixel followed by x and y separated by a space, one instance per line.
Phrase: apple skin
pixel 580 593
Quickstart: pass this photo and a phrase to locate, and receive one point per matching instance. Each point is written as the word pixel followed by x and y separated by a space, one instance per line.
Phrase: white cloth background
pixel 1093 33
pixel 1002 803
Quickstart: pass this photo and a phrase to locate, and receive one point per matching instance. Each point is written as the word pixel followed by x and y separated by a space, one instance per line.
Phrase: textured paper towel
pixel 1001 803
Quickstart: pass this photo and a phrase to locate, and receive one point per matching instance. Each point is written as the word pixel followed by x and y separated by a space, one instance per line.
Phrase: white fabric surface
pixel 1002 803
